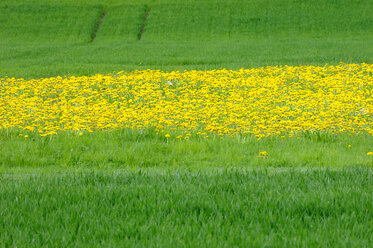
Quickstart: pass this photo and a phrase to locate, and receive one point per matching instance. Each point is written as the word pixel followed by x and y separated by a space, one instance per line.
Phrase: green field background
pixel 49 38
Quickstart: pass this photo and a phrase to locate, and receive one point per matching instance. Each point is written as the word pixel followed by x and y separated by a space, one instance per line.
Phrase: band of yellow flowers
pixel 261 101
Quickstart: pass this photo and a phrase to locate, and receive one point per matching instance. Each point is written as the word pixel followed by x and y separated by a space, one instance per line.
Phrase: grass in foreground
pixel 290 208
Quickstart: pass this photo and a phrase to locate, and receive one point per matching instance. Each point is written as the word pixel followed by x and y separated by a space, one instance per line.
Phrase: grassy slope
pixel 179 35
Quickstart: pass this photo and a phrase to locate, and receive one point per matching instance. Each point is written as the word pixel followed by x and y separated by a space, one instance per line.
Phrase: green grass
pixel 51 24
pixel 264 208
pixel 122 23
pixel 136 188
pixel 179 35
pixel 142 149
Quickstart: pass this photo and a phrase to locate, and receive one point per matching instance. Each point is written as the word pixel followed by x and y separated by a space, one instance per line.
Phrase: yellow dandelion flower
pixel 290 100
pixel 263 153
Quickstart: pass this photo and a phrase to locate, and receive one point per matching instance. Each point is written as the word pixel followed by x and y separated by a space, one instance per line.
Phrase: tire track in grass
pixel 143 23
pixel 103 13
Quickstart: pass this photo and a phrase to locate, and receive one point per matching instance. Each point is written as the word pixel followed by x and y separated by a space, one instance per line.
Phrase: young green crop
pixel 179 35
pixel 161 208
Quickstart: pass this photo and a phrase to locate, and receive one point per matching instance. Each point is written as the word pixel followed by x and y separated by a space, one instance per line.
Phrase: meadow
pixel 40 38
pixel 186 123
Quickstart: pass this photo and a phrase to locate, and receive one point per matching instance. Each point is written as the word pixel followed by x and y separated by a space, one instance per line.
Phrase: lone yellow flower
pixel 370 153
pixel 80 134
pixel 263 153
pixel 26 136
pixel 167 136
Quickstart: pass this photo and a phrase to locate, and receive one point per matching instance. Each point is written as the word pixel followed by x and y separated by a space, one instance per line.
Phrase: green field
pixel 268 208
pixel 40 38
pixel 137 188
pixel 143 149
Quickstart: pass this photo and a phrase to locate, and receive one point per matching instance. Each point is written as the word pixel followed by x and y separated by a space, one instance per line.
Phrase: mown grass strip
pixel 143 23
pixel 93 36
